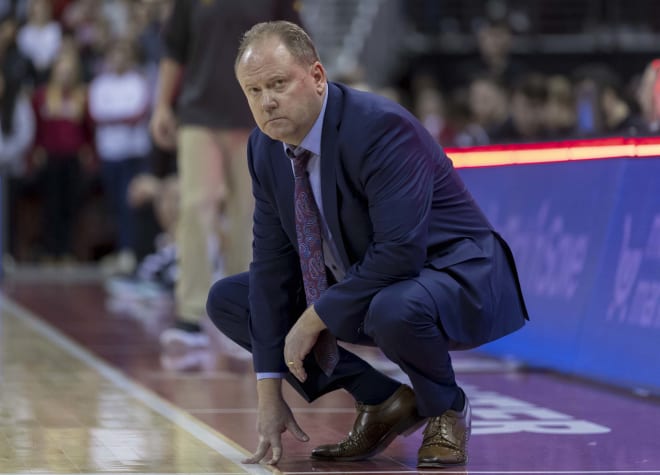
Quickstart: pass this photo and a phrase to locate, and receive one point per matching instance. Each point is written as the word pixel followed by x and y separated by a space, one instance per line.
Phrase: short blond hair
pixel 295 39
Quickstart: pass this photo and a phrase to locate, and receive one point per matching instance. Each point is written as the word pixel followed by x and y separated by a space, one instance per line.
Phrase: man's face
pixel 487 101
pixel 285 97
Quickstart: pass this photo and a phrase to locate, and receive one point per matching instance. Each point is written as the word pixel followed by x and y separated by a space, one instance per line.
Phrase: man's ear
pixel 319 75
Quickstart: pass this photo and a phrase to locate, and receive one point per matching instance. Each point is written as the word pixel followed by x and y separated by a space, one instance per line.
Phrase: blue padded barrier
pixel 586 236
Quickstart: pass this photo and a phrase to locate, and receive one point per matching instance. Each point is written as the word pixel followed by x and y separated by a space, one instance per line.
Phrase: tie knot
pixel 300 158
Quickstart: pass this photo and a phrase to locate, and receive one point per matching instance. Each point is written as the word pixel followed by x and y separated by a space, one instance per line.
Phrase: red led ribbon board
pixel 549 152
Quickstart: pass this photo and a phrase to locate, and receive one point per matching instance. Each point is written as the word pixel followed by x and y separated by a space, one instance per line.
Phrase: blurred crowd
pixel 496 98
pixel 77 90
pixel 76 93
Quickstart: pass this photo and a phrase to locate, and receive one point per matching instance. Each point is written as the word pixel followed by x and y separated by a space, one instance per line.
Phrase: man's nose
pixel 268 102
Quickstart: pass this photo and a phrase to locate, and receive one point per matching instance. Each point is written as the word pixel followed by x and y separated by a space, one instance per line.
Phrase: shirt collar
pixel 312 140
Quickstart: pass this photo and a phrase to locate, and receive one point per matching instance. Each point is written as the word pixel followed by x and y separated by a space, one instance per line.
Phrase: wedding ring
pixel 290 363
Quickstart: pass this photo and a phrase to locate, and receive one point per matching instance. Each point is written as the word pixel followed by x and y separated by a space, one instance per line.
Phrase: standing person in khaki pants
pixel 200 111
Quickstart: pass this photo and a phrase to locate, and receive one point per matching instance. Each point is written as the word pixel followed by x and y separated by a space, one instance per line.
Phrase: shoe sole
pixel 440 465
pixel 405 428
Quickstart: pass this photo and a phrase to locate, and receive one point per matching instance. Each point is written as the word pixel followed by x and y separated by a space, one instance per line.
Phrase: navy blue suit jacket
pixel 395 205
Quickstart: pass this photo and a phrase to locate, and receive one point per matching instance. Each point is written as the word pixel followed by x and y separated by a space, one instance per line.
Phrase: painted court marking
pixel 197 429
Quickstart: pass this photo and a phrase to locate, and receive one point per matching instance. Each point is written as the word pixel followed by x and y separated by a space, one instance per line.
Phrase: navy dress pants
pixel 402 321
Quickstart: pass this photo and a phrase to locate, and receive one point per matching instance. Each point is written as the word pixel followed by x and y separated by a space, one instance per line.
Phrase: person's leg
pixel 403 320
pixel 146 230
pixel 228 309
pixel 110 184
pixel 239 205
pixel 71 186
pixel 52 208
pixel 15 186
pixel 129 168
pixel 385 407
pixel 201 181
pixel 121 262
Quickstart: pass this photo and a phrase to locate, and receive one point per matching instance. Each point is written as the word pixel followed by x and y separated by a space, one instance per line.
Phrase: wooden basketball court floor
pixel 83 390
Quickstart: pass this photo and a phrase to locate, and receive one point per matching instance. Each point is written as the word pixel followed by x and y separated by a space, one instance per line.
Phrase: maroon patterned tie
pixel 310 250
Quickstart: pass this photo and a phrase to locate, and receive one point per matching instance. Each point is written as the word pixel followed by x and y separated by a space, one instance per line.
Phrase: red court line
pixel 550 152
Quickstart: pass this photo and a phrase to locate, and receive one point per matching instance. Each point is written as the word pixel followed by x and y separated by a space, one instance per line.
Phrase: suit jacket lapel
pixel 329 158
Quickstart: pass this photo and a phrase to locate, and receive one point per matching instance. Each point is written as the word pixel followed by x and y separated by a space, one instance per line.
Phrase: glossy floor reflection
pixel 58 413
pixel 83 390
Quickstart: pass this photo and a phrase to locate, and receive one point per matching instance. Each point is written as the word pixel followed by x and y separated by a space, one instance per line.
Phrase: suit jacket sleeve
pixel 274 277
pixel 395 173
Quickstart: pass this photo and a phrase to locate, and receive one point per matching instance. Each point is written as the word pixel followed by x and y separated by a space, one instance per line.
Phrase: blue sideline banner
pixel 622 324
pixel 566 224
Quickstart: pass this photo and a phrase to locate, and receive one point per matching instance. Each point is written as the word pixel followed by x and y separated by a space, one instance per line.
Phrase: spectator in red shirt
pixel 62 148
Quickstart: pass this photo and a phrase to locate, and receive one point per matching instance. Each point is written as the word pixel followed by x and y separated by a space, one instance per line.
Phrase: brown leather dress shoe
pixel 375 428
pixel 445 439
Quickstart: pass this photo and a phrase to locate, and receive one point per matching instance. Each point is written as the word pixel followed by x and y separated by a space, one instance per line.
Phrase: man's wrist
pixel 315 319
pixel 269 390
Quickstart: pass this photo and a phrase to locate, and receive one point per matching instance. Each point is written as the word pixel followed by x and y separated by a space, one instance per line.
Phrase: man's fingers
pixel 277 455
pixel 297 369
pixel 297 432
pixel 263 447
pixel 296 366
pixel 299 373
